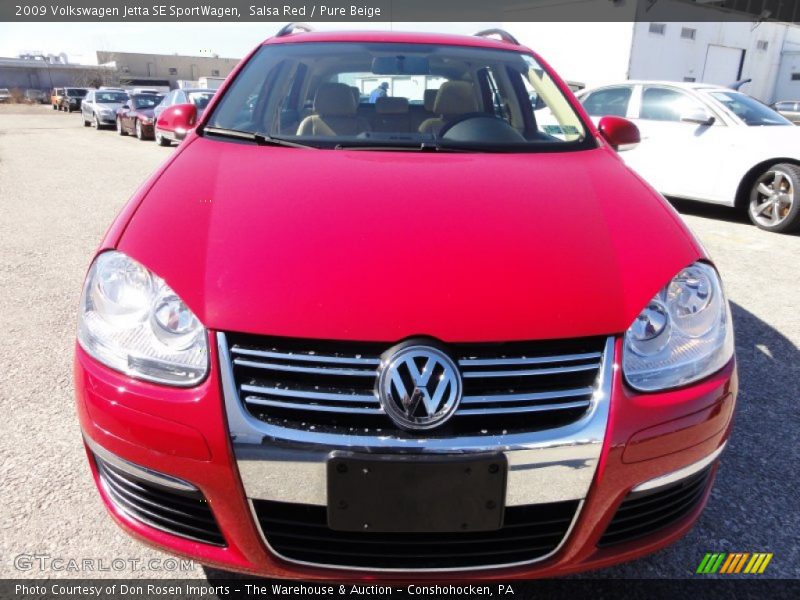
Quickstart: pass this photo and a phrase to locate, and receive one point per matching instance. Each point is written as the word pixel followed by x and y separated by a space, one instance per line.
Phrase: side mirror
pixel 126 106
pixel 179 118
pixel 699 116
pixel 620 133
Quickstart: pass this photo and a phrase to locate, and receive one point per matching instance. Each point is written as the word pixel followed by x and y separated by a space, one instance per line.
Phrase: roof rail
pixel 292 27
pixel 502 33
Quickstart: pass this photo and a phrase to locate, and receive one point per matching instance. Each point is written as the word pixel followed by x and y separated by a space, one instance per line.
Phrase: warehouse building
pixel 139 69
pixel 706 47
pixel 39 72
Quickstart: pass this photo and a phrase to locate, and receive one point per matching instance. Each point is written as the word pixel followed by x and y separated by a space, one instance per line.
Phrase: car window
pixel 785 106
pixel 111 97
pixel 145 101
pixel 748 109
pixel 379 94
pixel 609 101
pixel 200 99
pixel 666 104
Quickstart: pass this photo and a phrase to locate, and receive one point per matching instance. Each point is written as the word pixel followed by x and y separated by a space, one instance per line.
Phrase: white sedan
pixel 710 143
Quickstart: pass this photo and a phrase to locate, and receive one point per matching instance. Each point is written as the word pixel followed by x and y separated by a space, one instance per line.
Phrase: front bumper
pixel 624 442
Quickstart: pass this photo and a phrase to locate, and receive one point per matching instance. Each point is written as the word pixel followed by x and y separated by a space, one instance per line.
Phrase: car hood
pixel 380 246
pixel 784 135
pixel 144 112
pixel 110 105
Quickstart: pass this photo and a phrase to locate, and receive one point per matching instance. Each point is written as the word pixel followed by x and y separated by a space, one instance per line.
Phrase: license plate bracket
pixel 407 494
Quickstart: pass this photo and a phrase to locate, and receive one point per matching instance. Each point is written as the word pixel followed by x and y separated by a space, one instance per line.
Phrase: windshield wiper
pixel 258 138
pixel 413 147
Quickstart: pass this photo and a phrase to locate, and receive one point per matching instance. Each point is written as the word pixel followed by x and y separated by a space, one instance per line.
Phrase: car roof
pixel 398 37
pixel 686 85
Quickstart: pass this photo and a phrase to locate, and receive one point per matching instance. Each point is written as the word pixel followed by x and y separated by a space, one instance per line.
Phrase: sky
pixel 80 41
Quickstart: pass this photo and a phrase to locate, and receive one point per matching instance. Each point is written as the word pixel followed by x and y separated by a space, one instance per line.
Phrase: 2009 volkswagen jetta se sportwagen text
pixel 396 305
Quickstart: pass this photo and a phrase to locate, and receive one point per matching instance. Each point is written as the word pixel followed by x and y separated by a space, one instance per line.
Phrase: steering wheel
pixel 480 127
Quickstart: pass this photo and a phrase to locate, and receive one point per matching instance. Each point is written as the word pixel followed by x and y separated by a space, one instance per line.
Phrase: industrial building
pixel 139 69
pixel 43 72
pixel 711 45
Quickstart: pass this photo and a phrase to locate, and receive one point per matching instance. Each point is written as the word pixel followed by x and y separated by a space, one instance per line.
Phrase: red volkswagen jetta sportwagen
pixel 396 306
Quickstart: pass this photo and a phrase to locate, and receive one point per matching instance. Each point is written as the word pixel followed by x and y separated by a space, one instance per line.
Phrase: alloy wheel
pixel 772 198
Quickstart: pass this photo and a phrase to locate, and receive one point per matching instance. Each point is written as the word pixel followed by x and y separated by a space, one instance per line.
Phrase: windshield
pixel 146 100
pixel 748 109
pixel 200 99
pixel 338 94
pixel 111 97
pixel 76 92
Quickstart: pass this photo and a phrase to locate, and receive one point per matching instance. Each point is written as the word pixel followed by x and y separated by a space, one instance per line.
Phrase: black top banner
pixel 398 10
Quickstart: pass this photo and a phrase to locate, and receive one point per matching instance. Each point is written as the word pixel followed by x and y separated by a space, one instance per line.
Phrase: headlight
pixel 684 334
pixel 132 321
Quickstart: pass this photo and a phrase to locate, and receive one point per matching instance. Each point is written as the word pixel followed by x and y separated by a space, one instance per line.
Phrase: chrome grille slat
pixel 310 394
pixel 531 372
pixel 304 369
pixel 507 387
pixel 533 360
pixel 313 407
pixel 503 398
pixel 321 358
pixel 513 410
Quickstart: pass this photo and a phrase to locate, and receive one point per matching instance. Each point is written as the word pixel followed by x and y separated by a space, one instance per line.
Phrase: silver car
pixel 99 107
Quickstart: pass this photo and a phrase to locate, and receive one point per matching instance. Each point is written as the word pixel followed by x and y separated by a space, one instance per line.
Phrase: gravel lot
pixel 60 187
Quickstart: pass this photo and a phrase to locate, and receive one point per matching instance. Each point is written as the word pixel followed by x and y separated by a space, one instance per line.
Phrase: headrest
pixel 335 100
pixel 455 98
pixel 356 94
pixel 391 105
pixel 429 98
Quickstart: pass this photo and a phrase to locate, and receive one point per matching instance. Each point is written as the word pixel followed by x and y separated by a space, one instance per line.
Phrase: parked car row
pixel 709 143
pixel 132 112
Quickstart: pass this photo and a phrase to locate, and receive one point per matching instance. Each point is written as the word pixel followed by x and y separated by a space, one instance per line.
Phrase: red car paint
pixel 250 250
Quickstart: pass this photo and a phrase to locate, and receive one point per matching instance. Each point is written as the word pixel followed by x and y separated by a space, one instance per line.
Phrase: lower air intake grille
pixel 182 513
pixel 642 513
pixel 300 532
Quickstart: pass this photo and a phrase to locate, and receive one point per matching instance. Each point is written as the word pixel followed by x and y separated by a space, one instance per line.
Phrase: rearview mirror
pixel 699 116
pixel 620 133
pixel 400 65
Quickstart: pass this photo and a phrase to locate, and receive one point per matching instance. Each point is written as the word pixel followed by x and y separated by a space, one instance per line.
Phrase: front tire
pixel 139 132
pixel 120 129
pixel 774 203
pixel 86 123
pixel 97 125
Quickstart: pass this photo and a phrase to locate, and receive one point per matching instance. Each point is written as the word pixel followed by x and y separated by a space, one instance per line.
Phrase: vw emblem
pixel 419 387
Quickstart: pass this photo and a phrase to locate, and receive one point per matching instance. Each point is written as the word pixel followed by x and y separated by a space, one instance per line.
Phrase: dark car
pixel 789 109
pixel 199 97
pixel 71 99
pixel 136 116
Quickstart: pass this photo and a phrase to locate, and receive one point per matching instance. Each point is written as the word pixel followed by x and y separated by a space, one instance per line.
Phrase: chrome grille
pixel 330 386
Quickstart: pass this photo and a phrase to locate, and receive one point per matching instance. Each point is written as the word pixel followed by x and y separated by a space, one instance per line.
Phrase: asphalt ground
pixel 60 187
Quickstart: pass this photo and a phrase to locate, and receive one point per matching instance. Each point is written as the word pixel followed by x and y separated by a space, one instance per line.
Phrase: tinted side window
pixel 610 101
pixel 664 104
